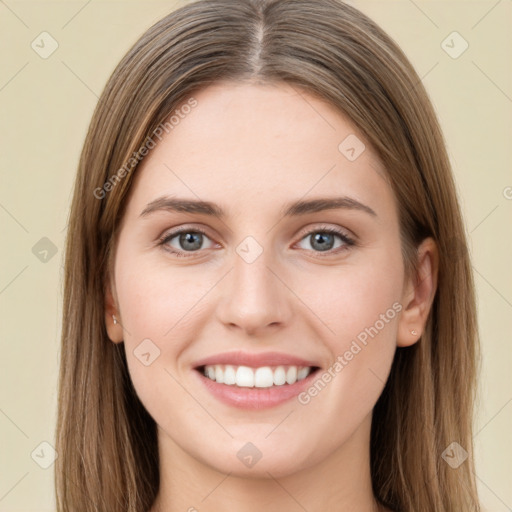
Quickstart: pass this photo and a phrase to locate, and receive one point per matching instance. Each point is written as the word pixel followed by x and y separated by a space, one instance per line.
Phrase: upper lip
pixel 254 360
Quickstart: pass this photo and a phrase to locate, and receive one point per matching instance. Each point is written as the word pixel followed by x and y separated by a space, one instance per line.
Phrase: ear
pixel 114 328
pixel 418 296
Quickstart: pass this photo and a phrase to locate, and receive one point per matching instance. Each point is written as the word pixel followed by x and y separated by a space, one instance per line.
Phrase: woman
pixel 268 300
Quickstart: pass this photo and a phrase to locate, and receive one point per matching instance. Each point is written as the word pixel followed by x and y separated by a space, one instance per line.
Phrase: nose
pixel 254 298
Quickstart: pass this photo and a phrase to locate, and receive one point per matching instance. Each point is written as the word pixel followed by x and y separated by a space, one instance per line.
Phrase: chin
pixel 250 461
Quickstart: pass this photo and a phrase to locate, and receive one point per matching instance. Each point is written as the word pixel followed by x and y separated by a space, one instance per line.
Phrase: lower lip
pixel 255 398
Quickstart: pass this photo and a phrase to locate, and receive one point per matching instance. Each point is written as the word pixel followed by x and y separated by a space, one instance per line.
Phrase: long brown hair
pixel 106 441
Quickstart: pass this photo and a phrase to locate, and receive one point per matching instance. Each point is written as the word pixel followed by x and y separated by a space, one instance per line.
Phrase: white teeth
pixel 291 375
pixel 279 376
pixel 229 375
pixel 210 372
pixel 263 377
pixel 244 377
pixel 302 373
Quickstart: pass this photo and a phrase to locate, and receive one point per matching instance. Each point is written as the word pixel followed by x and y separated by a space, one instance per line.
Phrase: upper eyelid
pixel 171 233
pixel 338 229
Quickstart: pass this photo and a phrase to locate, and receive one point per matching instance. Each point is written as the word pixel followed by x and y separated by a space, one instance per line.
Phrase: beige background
pixel 46 106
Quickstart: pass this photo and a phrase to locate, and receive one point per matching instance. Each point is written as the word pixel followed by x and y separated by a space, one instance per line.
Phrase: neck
pixel 342 481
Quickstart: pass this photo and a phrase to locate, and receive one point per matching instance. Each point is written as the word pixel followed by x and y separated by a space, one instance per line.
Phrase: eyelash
pixel 348 241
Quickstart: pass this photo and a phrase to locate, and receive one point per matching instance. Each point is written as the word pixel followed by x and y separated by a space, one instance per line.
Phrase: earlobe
pixel 112 320
pixel 419 293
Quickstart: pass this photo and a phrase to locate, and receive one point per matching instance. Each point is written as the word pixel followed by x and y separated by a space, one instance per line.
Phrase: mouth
pixel 255 387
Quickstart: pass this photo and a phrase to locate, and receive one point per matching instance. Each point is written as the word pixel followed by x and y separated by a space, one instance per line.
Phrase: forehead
pixel 244 144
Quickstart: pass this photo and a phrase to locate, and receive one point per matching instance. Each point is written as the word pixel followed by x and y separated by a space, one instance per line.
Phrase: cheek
pixel 162 310
pixel 351 299
pixel 360 307
pixel 157 308
pixel 157 301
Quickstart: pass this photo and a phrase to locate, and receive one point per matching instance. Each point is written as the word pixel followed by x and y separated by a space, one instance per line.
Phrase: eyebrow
pixel 297 208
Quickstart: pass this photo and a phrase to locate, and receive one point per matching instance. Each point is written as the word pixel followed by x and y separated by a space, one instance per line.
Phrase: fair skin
pixel 252 149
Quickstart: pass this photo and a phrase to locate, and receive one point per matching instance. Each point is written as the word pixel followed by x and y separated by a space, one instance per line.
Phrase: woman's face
pixel 262 279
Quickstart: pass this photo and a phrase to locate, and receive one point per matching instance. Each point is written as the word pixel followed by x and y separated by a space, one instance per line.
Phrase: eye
pixel 323 239
pixel 184 240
